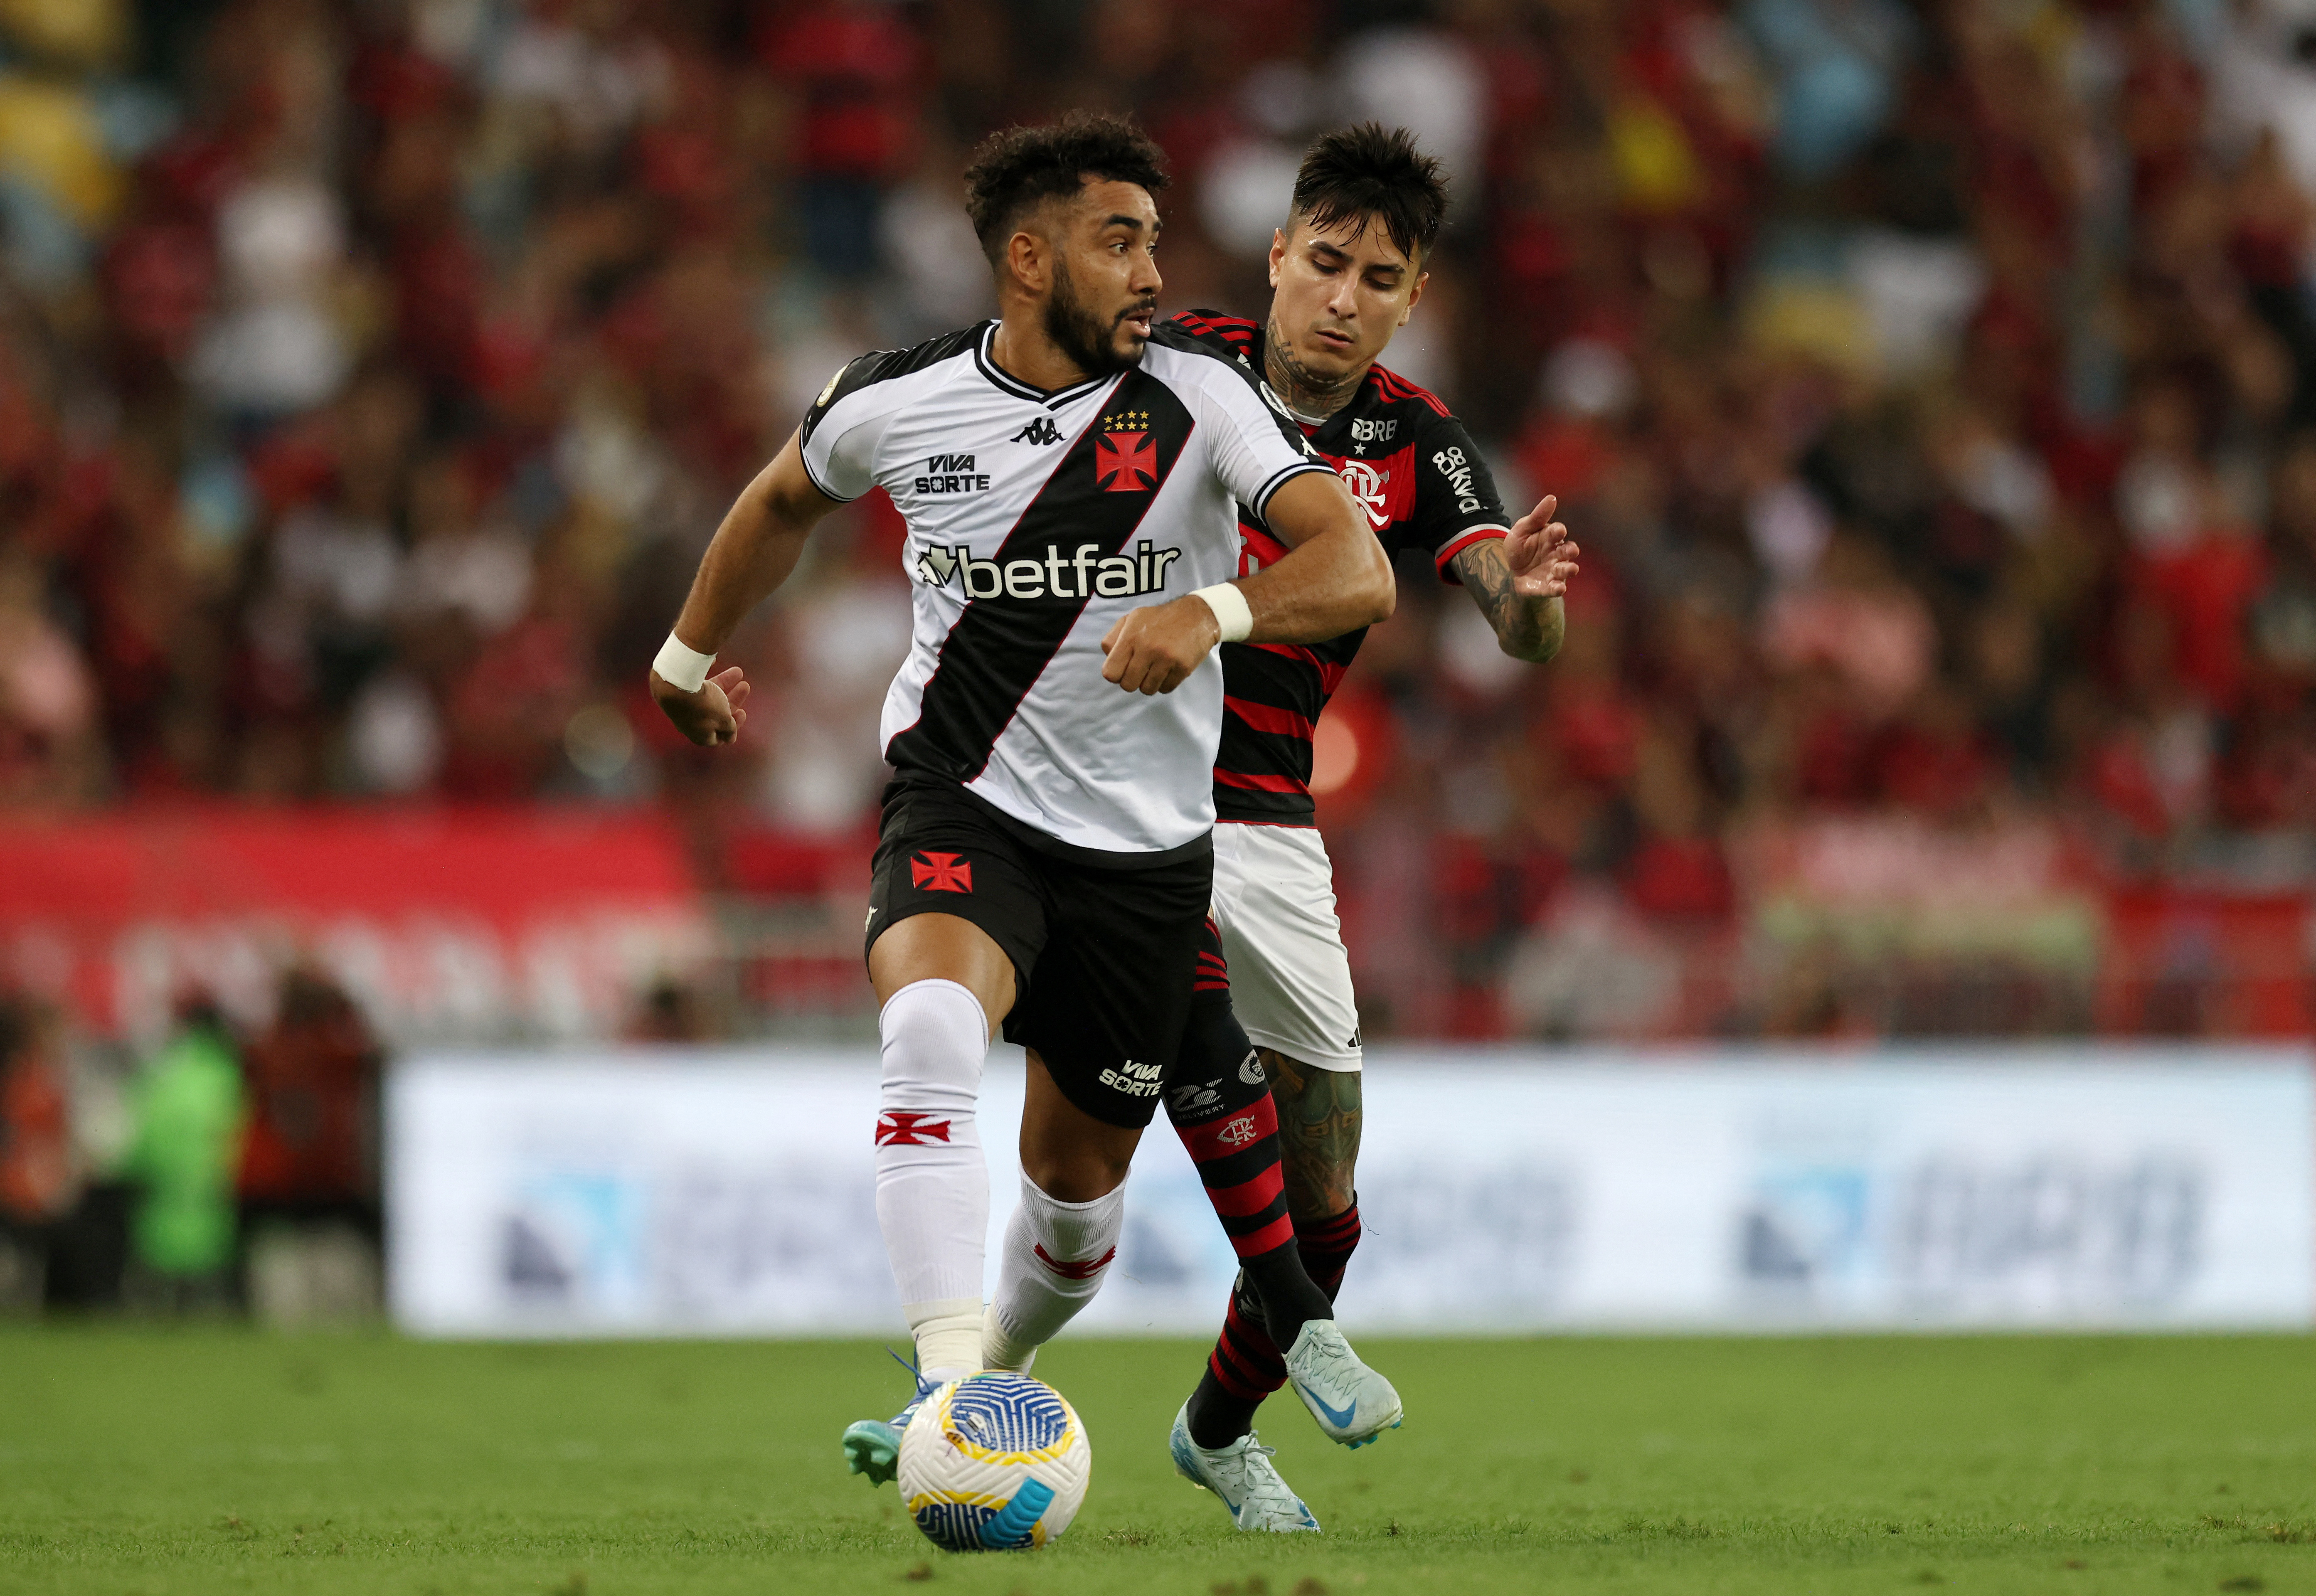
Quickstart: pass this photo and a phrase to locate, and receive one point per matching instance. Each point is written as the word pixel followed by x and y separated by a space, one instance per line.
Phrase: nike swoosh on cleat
pixel 1341 1418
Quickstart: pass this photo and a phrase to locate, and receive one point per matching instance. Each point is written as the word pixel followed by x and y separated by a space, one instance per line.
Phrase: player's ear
pixel 1278 252
pixel 1025 257
pixel 1414 296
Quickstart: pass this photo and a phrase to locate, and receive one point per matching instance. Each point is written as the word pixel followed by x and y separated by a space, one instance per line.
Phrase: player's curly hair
pixel 1018 169
pixel 1370 174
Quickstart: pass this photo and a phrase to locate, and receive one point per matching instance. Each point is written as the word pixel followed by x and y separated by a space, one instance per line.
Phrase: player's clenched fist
pixel 1540 554
pixel 1154 648
pixel 711 716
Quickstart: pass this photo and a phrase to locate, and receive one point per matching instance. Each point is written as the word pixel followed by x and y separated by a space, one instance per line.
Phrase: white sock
pixel 1055 1254
pixel 932 1188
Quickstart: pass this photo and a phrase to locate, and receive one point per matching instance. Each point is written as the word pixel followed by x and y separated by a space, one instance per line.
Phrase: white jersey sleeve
pixel 844 430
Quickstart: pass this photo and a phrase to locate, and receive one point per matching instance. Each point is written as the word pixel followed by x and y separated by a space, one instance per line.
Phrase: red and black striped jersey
pixel 1412 467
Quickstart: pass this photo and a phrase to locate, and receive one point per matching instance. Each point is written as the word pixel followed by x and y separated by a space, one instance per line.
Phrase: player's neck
pixel 1026 352
pixel 1300 388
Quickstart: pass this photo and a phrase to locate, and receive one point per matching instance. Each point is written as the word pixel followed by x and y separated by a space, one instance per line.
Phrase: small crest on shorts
pixel 941 872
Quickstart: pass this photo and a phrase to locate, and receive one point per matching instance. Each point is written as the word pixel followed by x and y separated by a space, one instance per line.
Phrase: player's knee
pixel 1076 1175
pixel 933 1037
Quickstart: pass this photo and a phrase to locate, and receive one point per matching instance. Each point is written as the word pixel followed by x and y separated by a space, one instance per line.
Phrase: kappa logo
pixel 1135 1080
pixel 1084 1270
pixel 941 872
pixel 1239 1132
pixel 1125 456
pixel 1250 1068
pixel 1041 431
pixel 896 1128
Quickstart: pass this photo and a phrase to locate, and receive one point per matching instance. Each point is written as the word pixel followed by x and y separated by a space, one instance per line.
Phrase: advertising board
pixel 647 1193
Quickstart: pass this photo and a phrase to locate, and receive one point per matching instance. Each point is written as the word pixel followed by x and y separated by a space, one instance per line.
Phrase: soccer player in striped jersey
pixel 1071 474
pixel 1347 272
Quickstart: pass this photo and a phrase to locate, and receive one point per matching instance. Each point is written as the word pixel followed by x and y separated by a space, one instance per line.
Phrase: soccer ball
pixel 994 1462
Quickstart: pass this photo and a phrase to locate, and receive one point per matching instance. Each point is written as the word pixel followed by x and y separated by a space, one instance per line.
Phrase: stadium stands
pixel 1931 386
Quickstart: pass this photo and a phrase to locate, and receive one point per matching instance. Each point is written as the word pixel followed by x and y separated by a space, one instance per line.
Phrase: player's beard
pixel 1081 332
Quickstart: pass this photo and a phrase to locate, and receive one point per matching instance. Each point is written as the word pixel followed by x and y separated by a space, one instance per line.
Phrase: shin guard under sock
pixel 932 1188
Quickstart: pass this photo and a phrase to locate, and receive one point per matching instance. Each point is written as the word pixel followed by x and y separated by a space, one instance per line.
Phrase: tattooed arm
pixel 1319 1119
pixel 1518 581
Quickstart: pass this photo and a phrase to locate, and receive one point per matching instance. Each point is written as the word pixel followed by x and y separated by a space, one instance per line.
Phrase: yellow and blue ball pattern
pixel 994 1462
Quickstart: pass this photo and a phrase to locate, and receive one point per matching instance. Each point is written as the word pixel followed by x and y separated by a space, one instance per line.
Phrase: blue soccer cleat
pixel 873 1446
pixel 1352 1403
pixel 1243 1475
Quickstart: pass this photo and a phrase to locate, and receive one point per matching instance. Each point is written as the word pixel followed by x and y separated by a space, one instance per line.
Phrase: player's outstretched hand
pixel 1540 553
pixel 1154 648
pixel 713 715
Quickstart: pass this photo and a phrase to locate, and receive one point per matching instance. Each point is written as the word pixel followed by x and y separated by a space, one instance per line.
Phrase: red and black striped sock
pixel 1246 1365
pixel 1218 1096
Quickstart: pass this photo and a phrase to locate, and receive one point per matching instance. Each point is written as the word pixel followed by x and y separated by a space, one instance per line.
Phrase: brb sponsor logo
pixel 1086 572
pixel 2044 1235
pixel 1135 1080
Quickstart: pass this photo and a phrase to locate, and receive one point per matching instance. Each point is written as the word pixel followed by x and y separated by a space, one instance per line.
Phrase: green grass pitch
pixel 156 1462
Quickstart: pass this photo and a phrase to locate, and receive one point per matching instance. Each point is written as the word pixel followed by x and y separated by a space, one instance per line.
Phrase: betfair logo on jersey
pixel 1457 470
pixel 1085 574
pixel 952 473
pixel 1125 456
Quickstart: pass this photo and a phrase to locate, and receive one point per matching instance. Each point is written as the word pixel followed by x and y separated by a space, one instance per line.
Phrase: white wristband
pixel 1230 611
pixel 680 666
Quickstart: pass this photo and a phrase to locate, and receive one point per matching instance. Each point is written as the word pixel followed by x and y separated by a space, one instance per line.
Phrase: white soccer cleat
pixel 1242 1475
pixel 1352 1403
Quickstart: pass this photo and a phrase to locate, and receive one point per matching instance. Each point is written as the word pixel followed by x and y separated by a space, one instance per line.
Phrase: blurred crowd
pixel 226 1170
pixel 1931 383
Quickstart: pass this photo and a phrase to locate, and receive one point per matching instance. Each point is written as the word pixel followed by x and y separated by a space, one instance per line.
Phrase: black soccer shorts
pixel 1103 957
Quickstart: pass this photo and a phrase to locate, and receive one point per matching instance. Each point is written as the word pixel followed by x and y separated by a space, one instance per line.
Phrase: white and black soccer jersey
pixel 1037 519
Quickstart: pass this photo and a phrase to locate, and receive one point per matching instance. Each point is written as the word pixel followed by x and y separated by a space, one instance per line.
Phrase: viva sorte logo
pixel 1083 573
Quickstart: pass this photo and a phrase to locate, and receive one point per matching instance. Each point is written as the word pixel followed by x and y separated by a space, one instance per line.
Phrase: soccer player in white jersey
pixel 1347 272
pixel 1070 474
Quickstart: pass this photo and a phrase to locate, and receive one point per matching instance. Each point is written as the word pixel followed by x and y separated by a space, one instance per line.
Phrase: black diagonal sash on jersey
pixel 999 646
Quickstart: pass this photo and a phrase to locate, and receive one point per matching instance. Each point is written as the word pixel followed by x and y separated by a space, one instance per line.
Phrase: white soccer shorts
pixel 1290 979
